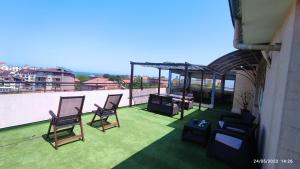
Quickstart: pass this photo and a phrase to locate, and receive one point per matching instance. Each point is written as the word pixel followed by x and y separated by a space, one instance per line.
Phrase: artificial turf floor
pixel 145 140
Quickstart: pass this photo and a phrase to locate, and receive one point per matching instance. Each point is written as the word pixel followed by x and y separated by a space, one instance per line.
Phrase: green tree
pixel 82 78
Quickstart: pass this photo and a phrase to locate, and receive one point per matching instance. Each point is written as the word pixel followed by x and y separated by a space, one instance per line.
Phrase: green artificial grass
pixel 144 141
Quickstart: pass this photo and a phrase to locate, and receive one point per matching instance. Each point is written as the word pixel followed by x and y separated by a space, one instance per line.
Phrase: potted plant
pixel 245 99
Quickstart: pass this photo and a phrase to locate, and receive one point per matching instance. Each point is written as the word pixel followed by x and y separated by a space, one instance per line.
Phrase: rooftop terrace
pixel 145 140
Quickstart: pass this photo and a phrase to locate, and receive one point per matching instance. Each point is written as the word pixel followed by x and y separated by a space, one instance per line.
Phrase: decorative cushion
pixel 221 124
pixel 229 140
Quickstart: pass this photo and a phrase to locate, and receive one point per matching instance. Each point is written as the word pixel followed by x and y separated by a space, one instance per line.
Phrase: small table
pixel 192 131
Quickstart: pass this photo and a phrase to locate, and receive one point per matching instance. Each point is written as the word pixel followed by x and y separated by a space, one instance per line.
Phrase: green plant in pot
pixel 244 101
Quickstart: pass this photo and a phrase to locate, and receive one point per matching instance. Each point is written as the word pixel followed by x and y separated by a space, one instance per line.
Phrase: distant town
pixel 32 79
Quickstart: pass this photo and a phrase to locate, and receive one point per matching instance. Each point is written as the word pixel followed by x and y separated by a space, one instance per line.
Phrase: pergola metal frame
pixel 186 67
pixel 244 60
pixel 236 60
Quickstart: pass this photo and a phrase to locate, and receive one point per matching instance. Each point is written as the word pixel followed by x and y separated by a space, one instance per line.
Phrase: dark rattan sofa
pixel 163 105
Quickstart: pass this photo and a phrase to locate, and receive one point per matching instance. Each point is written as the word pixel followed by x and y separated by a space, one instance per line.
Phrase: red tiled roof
pixel 164 81
pixel 100 80
pixel 51 70
pixel 126 81
pixel 76 80
pixel 23 71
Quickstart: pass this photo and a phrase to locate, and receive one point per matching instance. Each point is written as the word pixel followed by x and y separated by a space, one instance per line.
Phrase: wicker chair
pixel 163 105
pixel 233 144
pixel 244 118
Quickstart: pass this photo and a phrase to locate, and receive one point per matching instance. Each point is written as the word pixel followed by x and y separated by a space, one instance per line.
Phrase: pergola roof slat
pixel 239 59
pixel 173 66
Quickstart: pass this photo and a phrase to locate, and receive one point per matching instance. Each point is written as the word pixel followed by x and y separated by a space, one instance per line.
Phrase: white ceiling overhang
pixel 262 18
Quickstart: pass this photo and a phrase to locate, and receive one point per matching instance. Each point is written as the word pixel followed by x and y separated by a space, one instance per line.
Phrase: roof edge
pixel 234 7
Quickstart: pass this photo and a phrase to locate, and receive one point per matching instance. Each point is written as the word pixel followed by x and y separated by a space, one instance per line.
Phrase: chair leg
pixel 102 124
pixel 49 129
pixel 71 129
pixel 81 130
pixel 93 119
pixel 55 137
pixel 117 119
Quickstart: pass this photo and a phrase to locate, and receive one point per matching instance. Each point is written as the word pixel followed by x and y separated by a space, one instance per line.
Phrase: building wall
pixel 68 79
pixel 289 137
pixel 18 109
pixel 241 84
pixel 279 113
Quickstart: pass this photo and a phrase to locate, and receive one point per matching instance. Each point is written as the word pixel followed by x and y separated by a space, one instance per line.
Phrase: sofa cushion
pixel 229 140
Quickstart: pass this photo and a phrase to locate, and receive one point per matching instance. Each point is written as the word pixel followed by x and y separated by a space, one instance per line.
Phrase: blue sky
pixel 104 35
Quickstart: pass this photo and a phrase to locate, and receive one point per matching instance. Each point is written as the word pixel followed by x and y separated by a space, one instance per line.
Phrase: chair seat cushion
pixel 221 124
pixel 229 140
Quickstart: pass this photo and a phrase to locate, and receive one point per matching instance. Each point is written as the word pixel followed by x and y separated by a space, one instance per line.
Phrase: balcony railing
pixel 8 87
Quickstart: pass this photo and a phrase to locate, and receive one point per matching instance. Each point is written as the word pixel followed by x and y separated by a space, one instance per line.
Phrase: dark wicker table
pixel 192 131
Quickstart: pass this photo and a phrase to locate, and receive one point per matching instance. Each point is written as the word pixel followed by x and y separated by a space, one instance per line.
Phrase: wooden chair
pixel 109 109
pixel 68 116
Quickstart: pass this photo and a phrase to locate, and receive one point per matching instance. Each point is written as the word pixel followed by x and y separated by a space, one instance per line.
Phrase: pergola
pixel 186 68
pixel 241 60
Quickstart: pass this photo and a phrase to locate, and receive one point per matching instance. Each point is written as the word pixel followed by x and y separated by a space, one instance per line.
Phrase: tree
pixel 82 78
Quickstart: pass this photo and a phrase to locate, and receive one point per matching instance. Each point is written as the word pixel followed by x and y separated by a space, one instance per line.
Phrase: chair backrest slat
pixel 70 106
pixel 112 101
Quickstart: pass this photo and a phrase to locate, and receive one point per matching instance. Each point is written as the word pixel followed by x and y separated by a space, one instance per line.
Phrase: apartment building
pixel 6 82
pixel 54 79
pixel 4 66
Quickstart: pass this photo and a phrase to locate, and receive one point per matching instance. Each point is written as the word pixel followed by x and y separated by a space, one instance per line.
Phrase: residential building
pixel 99 83
pixel 54 79
pixel 27 76
pixel 13 69
pixel 7 80
pixel 3 66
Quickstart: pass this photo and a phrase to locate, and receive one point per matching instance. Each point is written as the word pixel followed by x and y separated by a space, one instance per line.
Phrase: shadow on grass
pixel 97 125
pixel 170 152
pixel 61 135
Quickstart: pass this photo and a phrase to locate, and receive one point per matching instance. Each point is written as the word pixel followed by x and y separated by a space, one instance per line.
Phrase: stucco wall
pixel 241 84
pixel 279 129
pixel 18 109
pixel 289 137
pixel 68 79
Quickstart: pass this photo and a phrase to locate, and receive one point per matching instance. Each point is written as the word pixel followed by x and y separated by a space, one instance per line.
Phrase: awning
pixel 237 60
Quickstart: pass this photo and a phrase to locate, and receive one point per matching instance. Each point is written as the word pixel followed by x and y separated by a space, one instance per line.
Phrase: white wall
pixel 279 116
pixel 18 109
pixel 242 84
